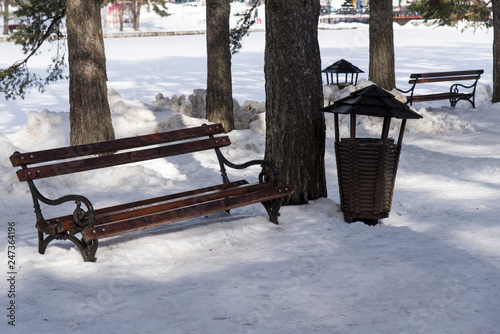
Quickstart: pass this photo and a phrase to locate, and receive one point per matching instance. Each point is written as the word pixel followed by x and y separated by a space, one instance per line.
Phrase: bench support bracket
pixel 87 250
pixel 273 207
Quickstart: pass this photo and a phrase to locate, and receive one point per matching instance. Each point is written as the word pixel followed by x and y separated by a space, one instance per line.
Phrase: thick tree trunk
pixel 90 117
pixel 295 128
pixel 381 68
pixel 219 86
pixel 496 51
pixel 6 17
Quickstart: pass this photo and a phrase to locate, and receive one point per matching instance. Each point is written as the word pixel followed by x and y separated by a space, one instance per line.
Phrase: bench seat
pixel 138 215
pixel 440 96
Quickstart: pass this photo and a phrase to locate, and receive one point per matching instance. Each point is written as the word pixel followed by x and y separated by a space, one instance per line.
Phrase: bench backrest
pixel 445 76
pixel 53 162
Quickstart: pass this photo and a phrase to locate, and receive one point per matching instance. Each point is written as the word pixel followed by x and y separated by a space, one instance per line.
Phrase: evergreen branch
pixel 451 12
pixel 17 79
pixel 57 19
pixel 243 25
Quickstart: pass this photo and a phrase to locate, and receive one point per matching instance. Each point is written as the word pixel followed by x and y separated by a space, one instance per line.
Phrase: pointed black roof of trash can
pixel 372 101
pixel 342 66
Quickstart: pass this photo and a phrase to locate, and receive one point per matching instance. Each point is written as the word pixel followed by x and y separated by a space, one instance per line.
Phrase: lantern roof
pixel 342 66
pixel 372 101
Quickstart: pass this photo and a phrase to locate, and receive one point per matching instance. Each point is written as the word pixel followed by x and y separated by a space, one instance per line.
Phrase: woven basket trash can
pixel 366 170
pixel 366 167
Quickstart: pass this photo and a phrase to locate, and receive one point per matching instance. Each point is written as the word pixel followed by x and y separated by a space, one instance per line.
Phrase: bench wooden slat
pixel 446 74
pixel 442 79
pixel 175 203
pixel 22 159
pixel 164 199
pixel 201 209
pixel 65 223
pixel 131 210
pixel 75 166
pixel 442 96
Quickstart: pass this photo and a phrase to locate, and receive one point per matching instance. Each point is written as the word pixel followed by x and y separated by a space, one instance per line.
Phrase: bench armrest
pixel 81 217
pixel 413 81
pixel 454 88
pixel 263 175
pixel 406 91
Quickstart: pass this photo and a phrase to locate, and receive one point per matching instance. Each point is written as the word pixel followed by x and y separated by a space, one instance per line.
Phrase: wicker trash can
pixel 366 167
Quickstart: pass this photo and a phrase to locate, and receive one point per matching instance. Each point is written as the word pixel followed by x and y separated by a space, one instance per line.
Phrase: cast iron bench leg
pixel 87 250
pixel 272 207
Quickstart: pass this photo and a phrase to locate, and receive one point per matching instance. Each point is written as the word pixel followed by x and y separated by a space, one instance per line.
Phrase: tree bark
pixel 6 17
pixel 381 68
pixel 136 9
pixel 295 126
pixel 219 85
pixel 496 51
pixel 121 13
pixel 90 116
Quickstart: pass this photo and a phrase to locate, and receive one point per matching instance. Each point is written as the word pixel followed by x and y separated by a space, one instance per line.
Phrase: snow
pixel 433 266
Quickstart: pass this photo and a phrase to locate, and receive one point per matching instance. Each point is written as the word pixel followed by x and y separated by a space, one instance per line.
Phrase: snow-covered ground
pixel 433 266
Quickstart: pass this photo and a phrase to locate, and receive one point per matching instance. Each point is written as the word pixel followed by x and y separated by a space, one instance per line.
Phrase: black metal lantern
pixel 342 67
pixel 367 167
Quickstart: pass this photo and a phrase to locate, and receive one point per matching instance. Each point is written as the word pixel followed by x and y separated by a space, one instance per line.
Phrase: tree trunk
pixel 295 128
pixel 136 14
pixel 121 13
pixel 496 51
pixel 381 68
pixel 6 17
pixel 90 116
pixel 219 86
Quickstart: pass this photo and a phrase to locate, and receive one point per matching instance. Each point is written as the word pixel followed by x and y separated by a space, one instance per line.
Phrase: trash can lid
pixel 372 101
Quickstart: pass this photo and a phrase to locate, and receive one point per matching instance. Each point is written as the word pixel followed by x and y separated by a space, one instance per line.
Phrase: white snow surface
pixel 433 266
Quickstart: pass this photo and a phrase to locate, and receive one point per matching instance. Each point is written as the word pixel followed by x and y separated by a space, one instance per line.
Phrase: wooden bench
pixel 94 224
pixel 13 27
pixel 454 95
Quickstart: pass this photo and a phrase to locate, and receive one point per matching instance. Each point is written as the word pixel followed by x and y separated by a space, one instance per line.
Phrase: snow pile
pixel 251 115
pixel 46 129
pixel 134 117
pixel 432 122
pixel 248 116
pixel 8 179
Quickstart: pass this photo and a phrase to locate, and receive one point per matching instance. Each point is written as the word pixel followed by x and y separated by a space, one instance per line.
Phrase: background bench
pixel 13 27
pixel 94 224
pixel 453 95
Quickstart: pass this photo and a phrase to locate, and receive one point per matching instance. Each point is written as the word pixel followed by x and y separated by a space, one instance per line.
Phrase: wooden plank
pixel 449 73
pixel 442 79
pixel 200 209
pixel 143 210
pixel 120 158
pixel 64 223
pixel 23 159
pixel 158 200
pixel 435 97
